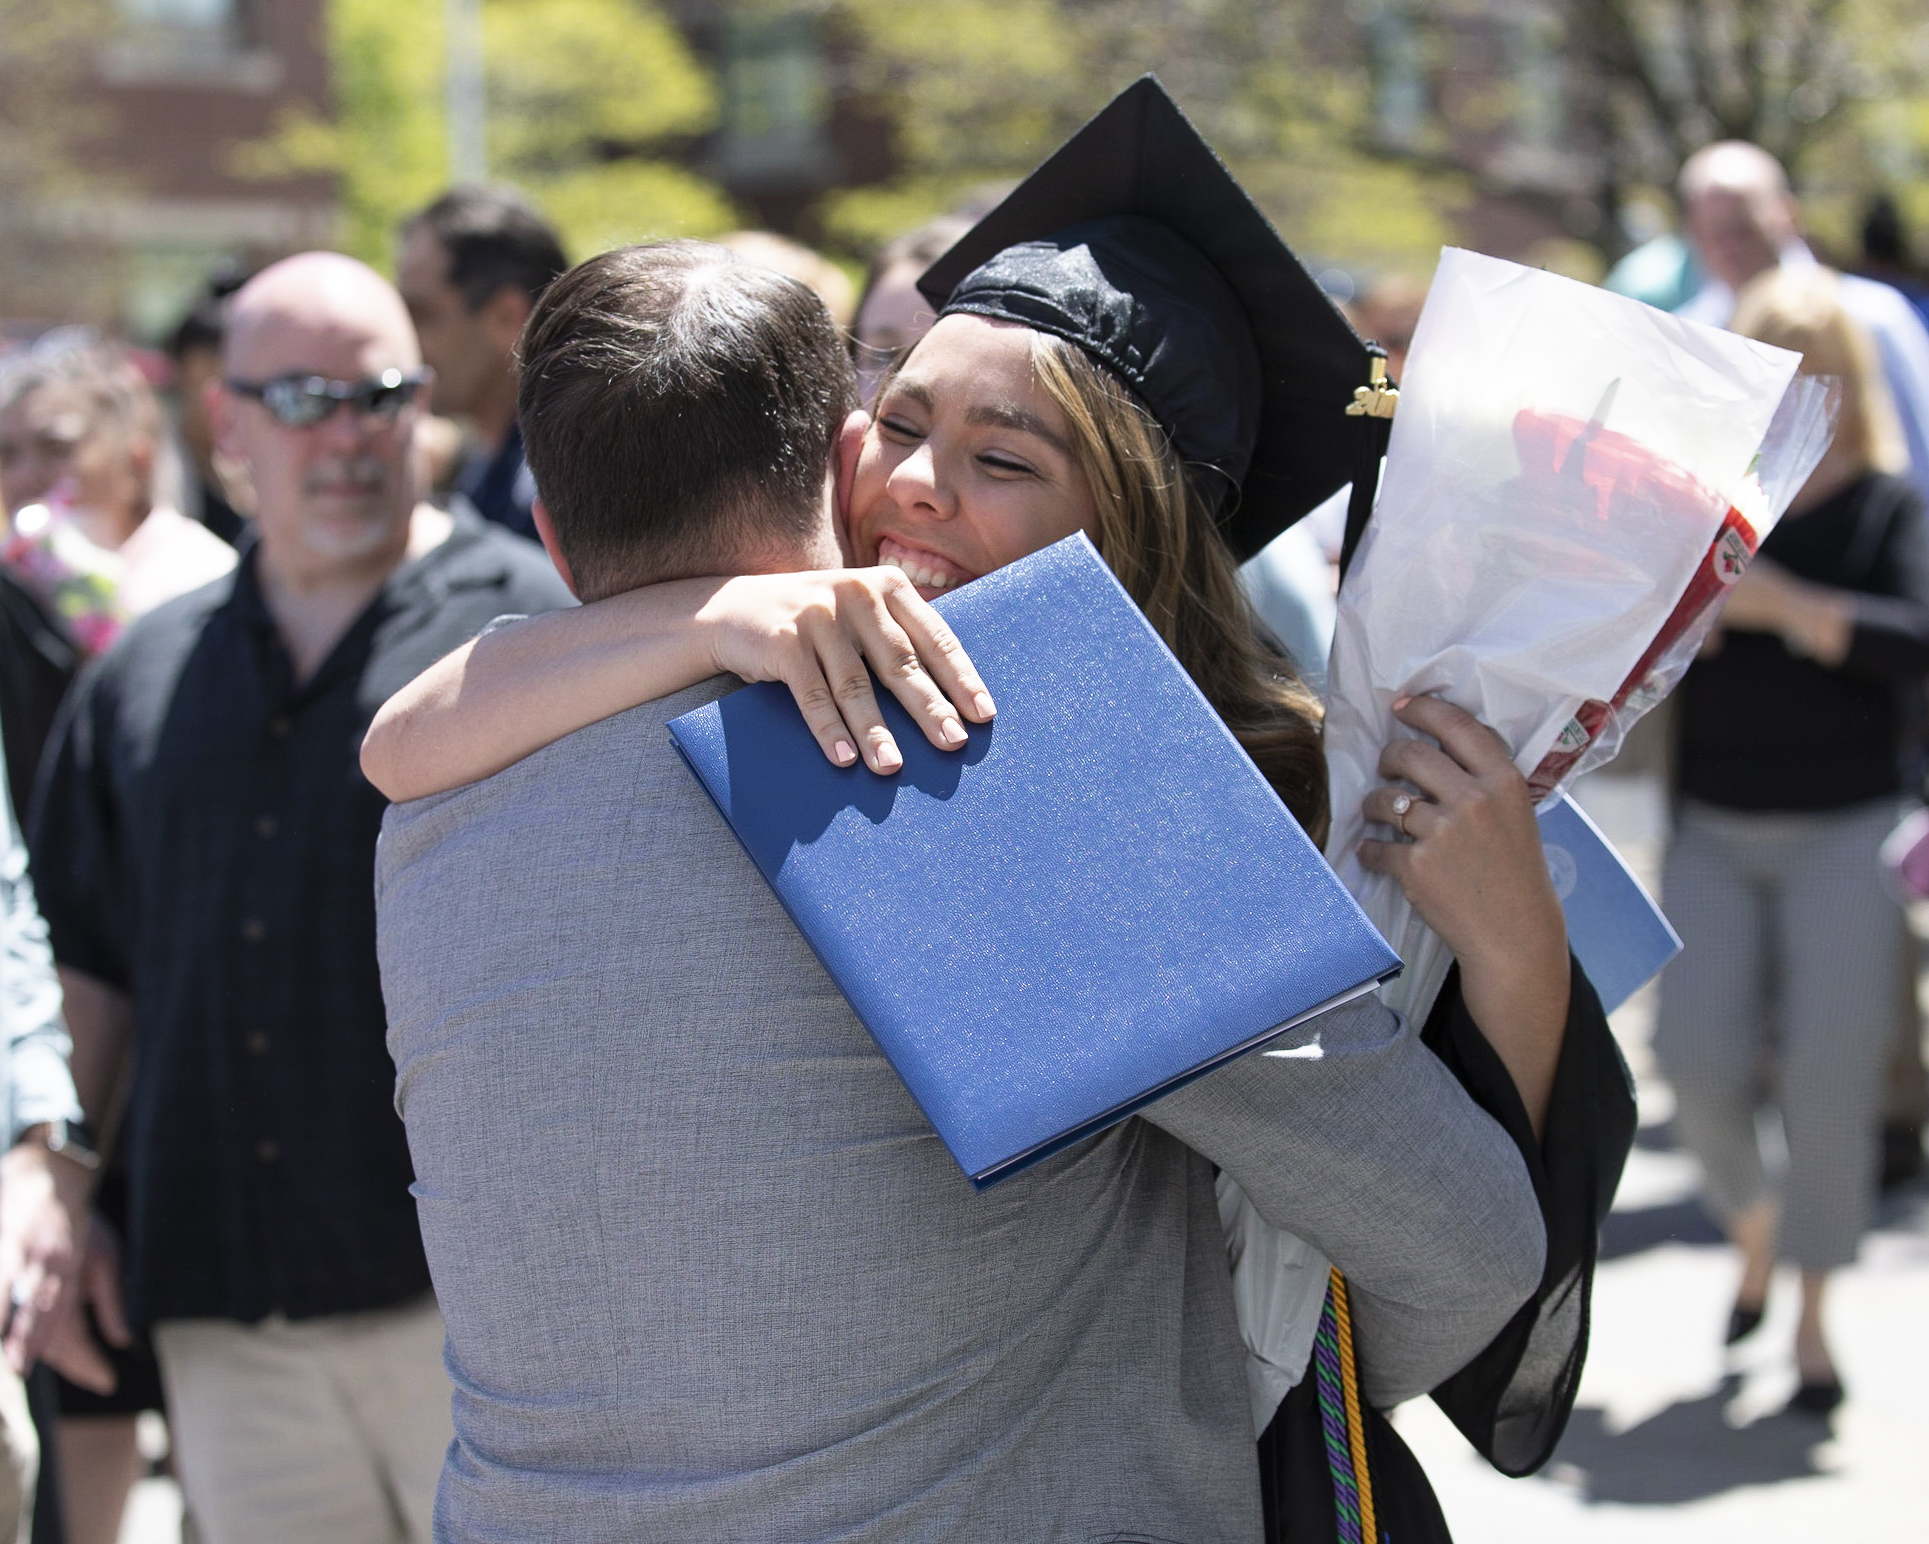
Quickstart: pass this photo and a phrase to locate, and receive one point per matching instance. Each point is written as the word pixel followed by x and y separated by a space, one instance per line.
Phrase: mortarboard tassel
pixel 1337 1387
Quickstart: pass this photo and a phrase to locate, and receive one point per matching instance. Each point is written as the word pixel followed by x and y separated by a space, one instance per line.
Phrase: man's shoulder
pixel 121 698
pixel 617 751
pixel 1883 308
pixel 180 616
pixel 597 777
pixel 599 852
pixel 1712 304
pixel 154 646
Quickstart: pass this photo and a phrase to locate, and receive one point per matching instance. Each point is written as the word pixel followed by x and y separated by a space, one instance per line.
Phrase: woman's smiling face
pixel 969 463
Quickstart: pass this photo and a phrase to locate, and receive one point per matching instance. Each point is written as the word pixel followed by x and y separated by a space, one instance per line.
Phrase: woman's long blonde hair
pixel 1159 538
pixel 1800 308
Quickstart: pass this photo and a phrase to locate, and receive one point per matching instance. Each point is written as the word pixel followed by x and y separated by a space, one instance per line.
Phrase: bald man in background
pixel 1742 220
pixel 204 847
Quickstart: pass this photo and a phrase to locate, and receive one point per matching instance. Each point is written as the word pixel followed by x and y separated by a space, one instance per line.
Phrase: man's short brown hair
pixel 678 410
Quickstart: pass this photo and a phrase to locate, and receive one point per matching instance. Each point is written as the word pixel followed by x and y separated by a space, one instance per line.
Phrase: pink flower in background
pixel 77 580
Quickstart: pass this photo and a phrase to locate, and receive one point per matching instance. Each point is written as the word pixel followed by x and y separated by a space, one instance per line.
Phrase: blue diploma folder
pixel 1613 925
pixel 1095 901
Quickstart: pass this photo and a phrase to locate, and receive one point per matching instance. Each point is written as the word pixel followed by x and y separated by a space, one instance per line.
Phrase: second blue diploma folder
pixel 1095 901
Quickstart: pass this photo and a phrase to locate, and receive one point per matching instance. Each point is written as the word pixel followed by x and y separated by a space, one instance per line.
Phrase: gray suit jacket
pixel 709 1275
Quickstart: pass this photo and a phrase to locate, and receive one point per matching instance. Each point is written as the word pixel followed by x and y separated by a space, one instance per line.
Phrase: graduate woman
pixel 1125 347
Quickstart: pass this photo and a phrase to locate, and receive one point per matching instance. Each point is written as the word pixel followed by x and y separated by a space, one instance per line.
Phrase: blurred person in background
pixel 438 449
pixel 1742 221
pixel 472 266
pixel 81 429
pixel 1887 255
pixel 1905 1100
pixel 767 249
pixel 38 658
pixel 891 314
pixel 45 1177
pixel 194 347
pixel 74 411
pixel 1386 312
pixel 204 841
pixel 1659 269
pixel 1793 731
pixel 1661 272
pixel 1294 582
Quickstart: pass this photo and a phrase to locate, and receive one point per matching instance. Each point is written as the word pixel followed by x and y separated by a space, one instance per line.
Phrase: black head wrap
pixel 1134 242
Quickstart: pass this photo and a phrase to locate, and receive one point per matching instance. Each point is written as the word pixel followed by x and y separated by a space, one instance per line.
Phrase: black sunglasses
pixel 302 401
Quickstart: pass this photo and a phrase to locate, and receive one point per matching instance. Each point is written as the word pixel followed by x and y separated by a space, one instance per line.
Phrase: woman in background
pixel 82 434
pixel 89 480
pixel 891 314
pixel 1796 742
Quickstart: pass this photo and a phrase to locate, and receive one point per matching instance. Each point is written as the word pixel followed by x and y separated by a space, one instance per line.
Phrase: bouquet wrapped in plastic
pixel 1573 483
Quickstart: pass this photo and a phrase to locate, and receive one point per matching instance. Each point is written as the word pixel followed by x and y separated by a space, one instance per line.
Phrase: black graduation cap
pixel 1134 242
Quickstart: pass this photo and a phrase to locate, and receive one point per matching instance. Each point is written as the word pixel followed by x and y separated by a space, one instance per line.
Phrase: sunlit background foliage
pixel 1371 130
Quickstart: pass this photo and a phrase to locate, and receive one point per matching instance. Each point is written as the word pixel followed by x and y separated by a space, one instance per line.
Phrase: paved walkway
pixel 1671 1438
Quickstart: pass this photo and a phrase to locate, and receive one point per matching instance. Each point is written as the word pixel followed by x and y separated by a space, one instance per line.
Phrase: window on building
pixel 1399 76
pixel 1539 82
pixel 205 42
pixel 188 15
pixel 776 104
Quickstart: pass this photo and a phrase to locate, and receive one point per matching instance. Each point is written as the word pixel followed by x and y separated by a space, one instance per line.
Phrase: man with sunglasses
pixel 205 848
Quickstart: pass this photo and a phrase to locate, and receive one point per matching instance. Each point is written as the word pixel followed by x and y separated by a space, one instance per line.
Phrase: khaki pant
pixel 1793 946
pixel 19 1459
pixel 321 1431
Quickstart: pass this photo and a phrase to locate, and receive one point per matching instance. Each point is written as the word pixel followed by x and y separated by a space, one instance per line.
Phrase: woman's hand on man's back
pixel 527 683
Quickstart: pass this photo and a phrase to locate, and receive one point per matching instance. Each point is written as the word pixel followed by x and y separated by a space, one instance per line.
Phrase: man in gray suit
pixel 707 1271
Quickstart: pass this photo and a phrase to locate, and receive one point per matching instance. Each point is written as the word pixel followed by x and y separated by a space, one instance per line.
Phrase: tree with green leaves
pixel 980 90
pixel 1292 94
pixel 1837 90
pixel 51 263
pixel 582 97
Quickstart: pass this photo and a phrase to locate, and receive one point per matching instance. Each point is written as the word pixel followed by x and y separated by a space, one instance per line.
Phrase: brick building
pixel 792 125
pixel 180 83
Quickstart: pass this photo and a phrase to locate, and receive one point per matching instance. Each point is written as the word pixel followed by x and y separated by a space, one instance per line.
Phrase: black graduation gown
pixel 1511 1401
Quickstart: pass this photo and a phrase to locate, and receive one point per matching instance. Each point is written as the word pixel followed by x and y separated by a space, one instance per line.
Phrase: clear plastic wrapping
pixel 1797 437
pixel 1573 482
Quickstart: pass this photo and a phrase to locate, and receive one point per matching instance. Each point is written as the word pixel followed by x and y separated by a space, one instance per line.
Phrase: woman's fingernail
pixel 982 702
pixel 953 732
pixel 1400 702
pixel 888 759
pixel 843 753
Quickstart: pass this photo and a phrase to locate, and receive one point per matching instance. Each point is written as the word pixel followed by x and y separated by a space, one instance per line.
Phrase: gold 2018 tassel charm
pixel 1378 398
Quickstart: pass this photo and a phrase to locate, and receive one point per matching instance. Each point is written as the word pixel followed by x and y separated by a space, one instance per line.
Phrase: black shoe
pixel 1817 1398
pixel 1743 1321
pixel 1902 1157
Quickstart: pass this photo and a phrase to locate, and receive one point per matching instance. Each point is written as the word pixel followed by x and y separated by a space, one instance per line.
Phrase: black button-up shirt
pixel 204 840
